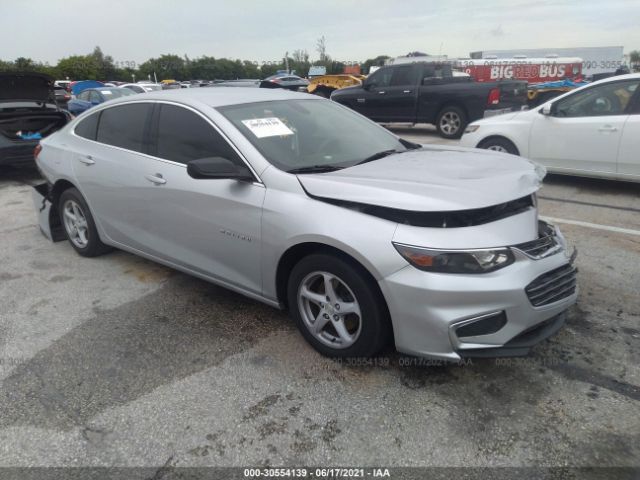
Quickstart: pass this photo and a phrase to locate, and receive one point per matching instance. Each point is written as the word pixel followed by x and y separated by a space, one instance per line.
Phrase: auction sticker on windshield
pixel 267 127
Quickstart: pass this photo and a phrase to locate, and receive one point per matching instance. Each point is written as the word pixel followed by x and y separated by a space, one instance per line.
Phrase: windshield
pixel 295 134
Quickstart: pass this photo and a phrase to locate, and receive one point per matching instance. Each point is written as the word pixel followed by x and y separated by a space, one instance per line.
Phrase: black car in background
pixel 426 92
pixel 28 112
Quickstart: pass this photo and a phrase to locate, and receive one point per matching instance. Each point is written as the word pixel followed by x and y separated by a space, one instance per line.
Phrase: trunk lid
pixel 26 86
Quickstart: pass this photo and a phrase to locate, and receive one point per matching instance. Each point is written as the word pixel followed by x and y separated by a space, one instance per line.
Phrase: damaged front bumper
pixel 502 313
pixel 48 219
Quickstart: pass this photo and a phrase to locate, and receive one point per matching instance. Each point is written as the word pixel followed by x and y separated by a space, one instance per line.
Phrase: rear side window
pixel 87 128
pixel 124 126
pixel 183 136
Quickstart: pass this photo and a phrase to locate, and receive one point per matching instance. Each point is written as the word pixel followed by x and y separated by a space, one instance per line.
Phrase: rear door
pixel 584 130
pixel 109 164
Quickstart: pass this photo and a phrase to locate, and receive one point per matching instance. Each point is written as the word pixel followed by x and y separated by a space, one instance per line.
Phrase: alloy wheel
pixel 329 309
pixel 75 224
pixel 450 123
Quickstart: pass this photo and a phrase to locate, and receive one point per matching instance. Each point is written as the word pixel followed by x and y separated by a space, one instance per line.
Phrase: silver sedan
pixel 298 202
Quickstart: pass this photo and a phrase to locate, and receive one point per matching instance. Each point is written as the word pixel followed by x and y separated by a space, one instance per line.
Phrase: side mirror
pixel 218 168
pixel 547 109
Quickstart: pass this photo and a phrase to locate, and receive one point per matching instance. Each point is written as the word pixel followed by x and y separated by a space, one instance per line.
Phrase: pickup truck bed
pixel 430 93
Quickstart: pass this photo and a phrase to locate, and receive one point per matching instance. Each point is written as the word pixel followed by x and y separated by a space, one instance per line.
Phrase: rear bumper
pixel 48 219
pixel 12 152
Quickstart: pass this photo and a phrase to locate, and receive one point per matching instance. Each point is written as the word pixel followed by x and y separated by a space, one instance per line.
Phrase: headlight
pixel 456 261
pixel 471 128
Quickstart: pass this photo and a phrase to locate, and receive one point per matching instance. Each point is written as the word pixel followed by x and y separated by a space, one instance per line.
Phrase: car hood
pixel 15 86
pixel 431 179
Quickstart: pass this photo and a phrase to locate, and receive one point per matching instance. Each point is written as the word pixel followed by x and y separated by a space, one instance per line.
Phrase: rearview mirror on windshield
pixel 218 168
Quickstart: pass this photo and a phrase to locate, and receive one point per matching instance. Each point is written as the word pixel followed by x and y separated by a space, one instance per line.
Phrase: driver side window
pixel 607 99
pixel 381 78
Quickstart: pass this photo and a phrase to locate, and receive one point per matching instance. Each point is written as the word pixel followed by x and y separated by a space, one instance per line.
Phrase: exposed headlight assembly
pixel 456 261
pixel 471 128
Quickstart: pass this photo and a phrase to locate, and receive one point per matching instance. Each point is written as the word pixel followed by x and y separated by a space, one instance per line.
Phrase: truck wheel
pixel 337 308
pixel 499 144
pixel 451 122
pixel 323 92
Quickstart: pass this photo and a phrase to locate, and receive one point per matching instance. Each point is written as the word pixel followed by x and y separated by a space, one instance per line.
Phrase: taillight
pixel 494 97
pixel 36 151
pixel 276 80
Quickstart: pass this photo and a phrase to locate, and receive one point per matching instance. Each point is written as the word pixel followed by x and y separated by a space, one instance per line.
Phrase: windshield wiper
pixel 315 169
pixel 379 155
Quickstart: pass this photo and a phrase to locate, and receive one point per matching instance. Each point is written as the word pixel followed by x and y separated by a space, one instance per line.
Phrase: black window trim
pixel 147 132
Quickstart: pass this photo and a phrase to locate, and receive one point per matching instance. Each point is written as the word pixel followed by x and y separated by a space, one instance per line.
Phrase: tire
pixel 451 122
pixel 362 331
pixel 499 144
pixel 323 92
pixel 79 226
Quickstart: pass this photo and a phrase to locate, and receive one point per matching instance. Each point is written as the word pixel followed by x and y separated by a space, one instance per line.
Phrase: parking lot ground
pixel 118 361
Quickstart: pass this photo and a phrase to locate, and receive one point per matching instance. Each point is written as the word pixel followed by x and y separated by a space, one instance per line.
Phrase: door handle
pixel 406 91
pixel 608 128
pixel 87 160
pixel 157 179
pixel 381 92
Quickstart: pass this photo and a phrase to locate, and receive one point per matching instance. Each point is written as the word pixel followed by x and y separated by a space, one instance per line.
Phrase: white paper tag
pixel 105 92
pixel 267 127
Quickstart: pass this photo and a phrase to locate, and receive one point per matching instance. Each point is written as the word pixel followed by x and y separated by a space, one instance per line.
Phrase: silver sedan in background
pixel 304 204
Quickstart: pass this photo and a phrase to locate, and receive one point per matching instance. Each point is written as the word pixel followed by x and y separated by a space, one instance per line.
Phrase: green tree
pixel 79 67
pixel 24 64
pixel 373 62
pixel 166 66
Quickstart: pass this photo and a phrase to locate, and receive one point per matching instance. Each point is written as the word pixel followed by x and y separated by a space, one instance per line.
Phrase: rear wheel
pixel 499 144
pixel 337 309
pixel 451 122
pixel 79 225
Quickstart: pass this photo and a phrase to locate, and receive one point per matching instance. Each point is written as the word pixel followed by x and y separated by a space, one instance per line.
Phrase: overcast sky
pixel 47 30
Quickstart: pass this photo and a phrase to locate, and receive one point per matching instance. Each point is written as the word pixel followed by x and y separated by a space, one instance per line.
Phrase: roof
pixel 219 96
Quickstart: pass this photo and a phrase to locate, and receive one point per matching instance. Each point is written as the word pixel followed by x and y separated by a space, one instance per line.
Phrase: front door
pixel 209 226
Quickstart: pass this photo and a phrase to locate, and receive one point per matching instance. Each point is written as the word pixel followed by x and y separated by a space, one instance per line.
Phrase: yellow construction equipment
pixel 325 84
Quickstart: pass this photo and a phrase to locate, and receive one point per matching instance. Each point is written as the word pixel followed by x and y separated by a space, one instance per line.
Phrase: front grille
pixel 552 286
pixel 546 244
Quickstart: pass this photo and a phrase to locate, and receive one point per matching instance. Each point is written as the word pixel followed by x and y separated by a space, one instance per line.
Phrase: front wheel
pixel 79 225
pixel 499 144
pixel 451 122
pixel 336 307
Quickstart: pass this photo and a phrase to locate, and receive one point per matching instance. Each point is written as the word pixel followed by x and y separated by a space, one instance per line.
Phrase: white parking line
pixel 595 226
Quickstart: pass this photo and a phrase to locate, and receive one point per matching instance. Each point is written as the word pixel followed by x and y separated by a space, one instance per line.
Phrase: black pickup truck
pixel 431 93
